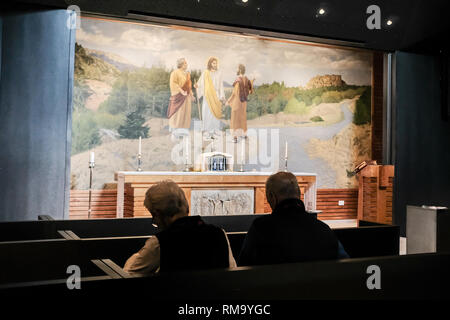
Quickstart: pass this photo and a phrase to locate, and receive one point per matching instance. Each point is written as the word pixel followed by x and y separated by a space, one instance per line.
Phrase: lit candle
pixel 140 145
pixel 92 157
pixel 286 150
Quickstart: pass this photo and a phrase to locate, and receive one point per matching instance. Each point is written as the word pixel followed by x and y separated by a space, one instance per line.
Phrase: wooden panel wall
pixel 328 203
pixel 104 204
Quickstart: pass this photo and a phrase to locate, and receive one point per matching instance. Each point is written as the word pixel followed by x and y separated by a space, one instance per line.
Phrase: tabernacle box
pixel 216 161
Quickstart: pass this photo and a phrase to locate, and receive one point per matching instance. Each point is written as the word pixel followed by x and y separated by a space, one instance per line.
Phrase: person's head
pixel 166 202
pixel 241 70
pixel 182 64
pixel 281 186
pixel 213 63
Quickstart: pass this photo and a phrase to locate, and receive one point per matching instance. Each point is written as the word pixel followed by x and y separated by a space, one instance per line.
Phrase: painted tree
pixel 134 127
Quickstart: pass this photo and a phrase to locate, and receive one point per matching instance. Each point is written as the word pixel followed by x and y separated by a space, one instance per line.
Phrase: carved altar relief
pixel 218 202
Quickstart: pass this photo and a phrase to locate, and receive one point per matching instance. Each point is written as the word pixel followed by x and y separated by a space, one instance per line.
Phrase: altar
pixel 208 193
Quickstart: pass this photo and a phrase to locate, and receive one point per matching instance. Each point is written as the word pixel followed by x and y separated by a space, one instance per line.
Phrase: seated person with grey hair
pixel 289 234
pixel 184 242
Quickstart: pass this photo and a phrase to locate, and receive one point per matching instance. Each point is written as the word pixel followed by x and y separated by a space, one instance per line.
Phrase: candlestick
pixel 286 150
pixel 139 156
pixel 186 158
pixel 186 167
pixel 139 162
pixel 286 158
pixel 242 155
pixel 140 145
pixel 91 173
pixel 213 147
pixel 187 147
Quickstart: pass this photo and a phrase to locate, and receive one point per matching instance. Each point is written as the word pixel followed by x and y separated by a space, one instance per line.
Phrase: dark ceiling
pixel 418 25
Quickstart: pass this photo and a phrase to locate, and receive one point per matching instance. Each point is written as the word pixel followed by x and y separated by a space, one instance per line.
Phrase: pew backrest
pixel 422 276
pixel 98 228
pixel 22 261
pixel 370 241
pixel 28 230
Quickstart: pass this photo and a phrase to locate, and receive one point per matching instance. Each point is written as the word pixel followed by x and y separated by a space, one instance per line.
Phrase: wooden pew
pixel 366 241
pixel 97 228
pixel 422 276
pixel 24 261
pixel 143 226
pixel 370 241
pixel 47 228
pixel 106 269
pixel 28 230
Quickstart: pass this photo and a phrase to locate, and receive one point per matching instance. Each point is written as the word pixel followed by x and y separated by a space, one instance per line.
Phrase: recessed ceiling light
pixel 321 11
pixel 244 1
pixel 389 22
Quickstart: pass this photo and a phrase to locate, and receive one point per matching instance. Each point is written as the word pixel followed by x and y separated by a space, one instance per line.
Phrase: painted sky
pixel 265 60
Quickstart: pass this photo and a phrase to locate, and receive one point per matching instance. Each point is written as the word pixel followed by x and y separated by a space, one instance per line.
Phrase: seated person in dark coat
pixel 289 234
pixel 184 242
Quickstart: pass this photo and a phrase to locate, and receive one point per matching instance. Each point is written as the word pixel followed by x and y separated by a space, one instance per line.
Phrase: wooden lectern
pixel 375 193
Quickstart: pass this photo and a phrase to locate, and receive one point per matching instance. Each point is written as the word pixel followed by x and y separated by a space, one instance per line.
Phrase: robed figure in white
pixel 210 87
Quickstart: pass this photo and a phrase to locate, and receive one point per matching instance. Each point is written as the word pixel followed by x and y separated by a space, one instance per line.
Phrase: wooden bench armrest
pixel 64 235
pixel 68 235
pixel 106 269
pixel 117 268
pixel 73 235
